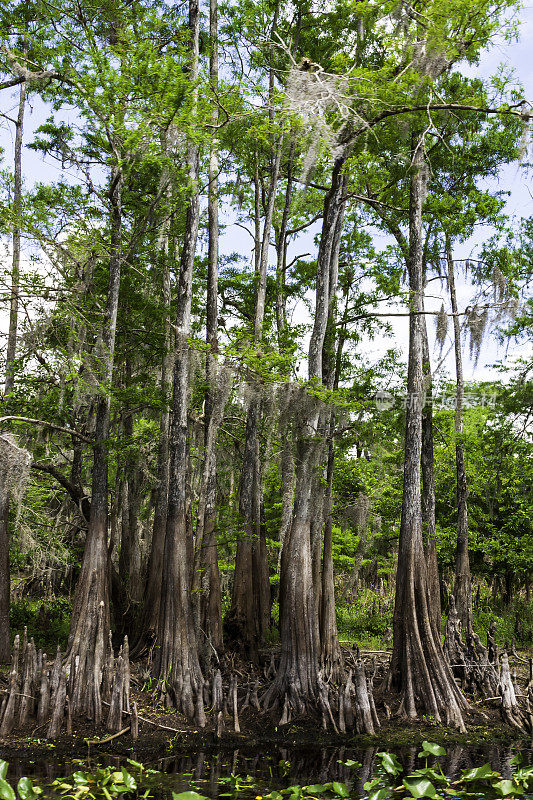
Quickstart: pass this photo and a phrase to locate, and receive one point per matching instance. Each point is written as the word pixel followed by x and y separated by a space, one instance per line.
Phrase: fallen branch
pixel 148 721
pixel 108 738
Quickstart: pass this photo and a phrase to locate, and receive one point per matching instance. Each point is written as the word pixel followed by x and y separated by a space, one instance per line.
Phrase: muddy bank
pixel 259 734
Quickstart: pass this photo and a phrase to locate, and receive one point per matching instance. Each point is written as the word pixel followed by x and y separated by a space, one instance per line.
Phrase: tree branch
pixel 30 421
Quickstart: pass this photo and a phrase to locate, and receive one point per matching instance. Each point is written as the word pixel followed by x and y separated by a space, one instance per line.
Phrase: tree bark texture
pixel 176 662
pixel 94 574
pixel 297 676
pixel 463 581
pixel 428 489
pixel 5 643
pixel 216 394
pixel 250 581
pixel 419 671
pixel 150 614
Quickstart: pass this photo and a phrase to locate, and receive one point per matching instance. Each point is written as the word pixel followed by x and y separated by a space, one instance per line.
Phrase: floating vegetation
pixel 391 779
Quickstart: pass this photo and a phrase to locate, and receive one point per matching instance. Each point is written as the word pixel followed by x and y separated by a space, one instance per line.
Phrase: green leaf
pixel 381 794
pixel 315 788
pixel 340 788
pixel 3 768
pixel 6 791
pixel 419 787
pixel 188 796
pixel 129 781
pixel 25 789
pixel 430 774
pixel 478 773
pixel 390 763
pixel 507 787
pixel 432 749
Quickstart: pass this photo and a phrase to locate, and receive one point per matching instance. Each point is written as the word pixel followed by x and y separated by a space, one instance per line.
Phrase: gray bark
pixel 463 581
pixel 176 662
pixel 419 671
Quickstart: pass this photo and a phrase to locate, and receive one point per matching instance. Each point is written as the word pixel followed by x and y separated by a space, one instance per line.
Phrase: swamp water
pixel 278 772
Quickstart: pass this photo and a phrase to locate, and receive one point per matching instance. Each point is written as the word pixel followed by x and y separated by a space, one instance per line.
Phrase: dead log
pixel 363 713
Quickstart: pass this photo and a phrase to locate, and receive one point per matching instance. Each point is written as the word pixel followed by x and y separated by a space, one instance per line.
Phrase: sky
pixel 516 55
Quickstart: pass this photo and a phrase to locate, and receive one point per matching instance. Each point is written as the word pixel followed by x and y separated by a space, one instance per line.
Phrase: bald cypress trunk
pixel 246 623
pixel 330 650
pixel 5 585
pixel 418 671
pixel 207 575
pixel 15 267
pixel 176 662
pixel 297 676
pixel 147 628
pixel 428 490
pixel 463 580
pixel 92 588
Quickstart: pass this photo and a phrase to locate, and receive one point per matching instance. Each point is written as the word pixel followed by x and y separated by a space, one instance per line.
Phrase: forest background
pixel 217 216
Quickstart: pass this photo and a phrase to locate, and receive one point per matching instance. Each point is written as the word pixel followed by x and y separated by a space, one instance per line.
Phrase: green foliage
pixel 47 621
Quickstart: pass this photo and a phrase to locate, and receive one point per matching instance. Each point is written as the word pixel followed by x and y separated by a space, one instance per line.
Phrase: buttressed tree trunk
pixel 463 581
pixel 418 671
pixel 93 582
pixel 297 676
pixel 330 650
pixel 216 396
pixel 150 615
pixel 428 489
pixel 176 663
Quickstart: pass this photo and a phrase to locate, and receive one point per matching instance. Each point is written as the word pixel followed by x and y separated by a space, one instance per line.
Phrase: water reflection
pixel 277 767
